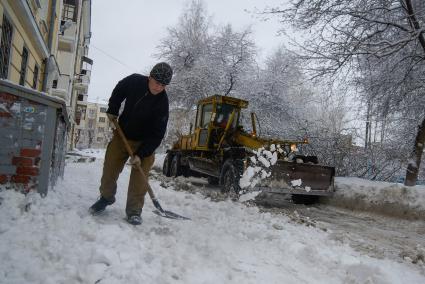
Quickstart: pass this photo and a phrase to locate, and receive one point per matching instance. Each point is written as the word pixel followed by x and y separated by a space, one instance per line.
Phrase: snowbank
pixel 391 199
pixel 159 160
pixel 96 153
pixel 55 240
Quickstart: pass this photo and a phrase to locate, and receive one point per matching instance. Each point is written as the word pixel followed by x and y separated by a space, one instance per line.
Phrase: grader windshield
pixel 223 112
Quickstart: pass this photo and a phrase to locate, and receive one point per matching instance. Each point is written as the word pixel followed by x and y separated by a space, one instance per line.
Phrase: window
pixel 6 43
pixel 101 129
pixel 198 116
pixel 81 97
pixel 55 84
pixel 223 115
pixel 103 109
pixel 99 139
pixel 102 119
pixel 24 63
pixel 69 11
pixel 43 6
pixel 83 112
pixel 206 115
pixel 78 116
pixel 92 113
pixel 35 78
pixel 37 2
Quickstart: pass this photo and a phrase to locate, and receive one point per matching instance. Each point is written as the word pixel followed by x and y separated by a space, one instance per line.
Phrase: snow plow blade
pixel 300 178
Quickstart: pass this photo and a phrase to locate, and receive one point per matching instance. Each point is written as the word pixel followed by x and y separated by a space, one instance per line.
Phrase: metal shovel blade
pixel 165 213
pixel 170 215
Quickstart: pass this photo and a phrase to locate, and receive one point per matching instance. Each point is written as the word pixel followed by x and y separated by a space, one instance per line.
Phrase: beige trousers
pixel 115 159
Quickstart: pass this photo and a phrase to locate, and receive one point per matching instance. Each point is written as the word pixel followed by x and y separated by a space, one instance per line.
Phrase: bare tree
pixel 206 61
pixel 281 95
pixel 232 53
pixel 187 42
pixel 383 37
pixel 185 47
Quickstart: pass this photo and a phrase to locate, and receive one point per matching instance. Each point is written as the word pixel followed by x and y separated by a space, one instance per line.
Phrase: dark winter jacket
pixel 144 117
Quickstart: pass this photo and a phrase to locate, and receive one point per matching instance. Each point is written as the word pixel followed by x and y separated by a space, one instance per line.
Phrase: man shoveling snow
pixel 143 121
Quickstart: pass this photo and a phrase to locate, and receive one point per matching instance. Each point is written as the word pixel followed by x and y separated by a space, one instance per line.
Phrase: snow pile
pixel 159 161
pixel 388 198
pixel 296 182
pixel 55 240
pixel 259 168
pixel 96 153
pixel 84 156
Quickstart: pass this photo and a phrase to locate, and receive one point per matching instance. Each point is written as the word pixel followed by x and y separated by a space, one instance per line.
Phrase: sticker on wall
pixel 3 107
pixel 29 109
pixel 16 107
pixel 27 126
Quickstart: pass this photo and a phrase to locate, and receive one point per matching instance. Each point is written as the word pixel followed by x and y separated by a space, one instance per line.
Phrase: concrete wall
pixel 33 138
pixel 22 136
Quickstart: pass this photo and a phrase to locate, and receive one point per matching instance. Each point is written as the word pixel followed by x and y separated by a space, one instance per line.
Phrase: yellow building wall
pixel 15 56
pixel 20 38
pixel 56 28
pixel 40 20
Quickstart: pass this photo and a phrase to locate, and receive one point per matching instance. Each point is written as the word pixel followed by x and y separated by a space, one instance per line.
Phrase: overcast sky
pixel 125 34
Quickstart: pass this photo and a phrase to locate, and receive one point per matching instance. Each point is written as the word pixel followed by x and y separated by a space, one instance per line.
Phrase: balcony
pixel 66 43
pixel 61 93
pixel 81 83
pixel 67 36
pixel 86 59
pixel 86 72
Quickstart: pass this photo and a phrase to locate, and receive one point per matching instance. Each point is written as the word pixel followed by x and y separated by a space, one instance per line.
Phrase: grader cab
pixel 220 149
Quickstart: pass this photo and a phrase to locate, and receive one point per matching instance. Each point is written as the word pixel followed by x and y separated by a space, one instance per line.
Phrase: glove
pixel 135 161
pixel 111 116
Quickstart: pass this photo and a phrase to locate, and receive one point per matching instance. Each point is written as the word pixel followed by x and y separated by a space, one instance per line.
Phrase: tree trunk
pixel 415 23
pixel 416 156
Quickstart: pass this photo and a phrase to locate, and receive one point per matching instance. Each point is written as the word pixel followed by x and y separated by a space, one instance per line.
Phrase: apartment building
pixel 74 63
pixel 44 46
pixel 28 42
pixel 44 69
pixel 93 129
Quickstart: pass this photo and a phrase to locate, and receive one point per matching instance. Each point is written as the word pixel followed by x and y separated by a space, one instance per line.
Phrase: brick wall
pixel 22 123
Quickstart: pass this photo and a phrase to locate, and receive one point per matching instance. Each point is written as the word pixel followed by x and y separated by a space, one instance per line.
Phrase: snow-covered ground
pixel 55 240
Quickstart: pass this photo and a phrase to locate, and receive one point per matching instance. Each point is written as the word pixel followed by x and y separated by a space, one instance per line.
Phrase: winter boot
pixel 134 219
pixel 100 205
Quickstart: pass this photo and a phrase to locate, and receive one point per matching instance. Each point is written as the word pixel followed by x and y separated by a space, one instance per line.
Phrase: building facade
pixel 93 128
pixel 28 42
pixel 74 63
pixel 44 70
pixel 44 46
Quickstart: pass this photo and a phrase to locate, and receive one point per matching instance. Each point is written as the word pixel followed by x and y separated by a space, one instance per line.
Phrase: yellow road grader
pixel 220 149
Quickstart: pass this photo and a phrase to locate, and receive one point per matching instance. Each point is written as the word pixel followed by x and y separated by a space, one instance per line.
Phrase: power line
pixel 114 58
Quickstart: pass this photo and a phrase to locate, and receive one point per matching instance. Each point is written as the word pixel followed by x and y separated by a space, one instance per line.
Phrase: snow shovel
pixel 161 212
